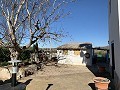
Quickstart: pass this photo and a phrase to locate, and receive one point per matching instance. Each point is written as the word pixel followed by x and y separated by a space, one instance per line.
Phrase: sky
pixel 88 22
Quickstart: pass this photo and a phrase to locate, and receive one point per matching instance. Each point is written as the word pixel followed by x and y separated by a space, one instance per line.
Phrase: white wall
pixel 114 37
pixel 113 25
pixel 75 59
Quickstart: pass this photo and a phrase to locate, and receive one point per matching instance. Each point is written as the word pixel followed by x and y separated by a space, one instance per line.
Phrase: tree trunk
pixel 13 54
pixel 36 57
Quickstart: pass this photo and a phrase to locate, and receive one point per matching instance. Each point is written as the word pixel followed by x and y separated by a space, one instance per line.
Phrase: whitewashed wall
pixel 75 59
pixel 114 37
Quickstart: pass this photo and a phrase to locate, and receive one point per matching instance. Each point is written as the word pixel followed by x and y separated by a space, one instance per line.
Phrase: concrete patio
pixel 64 77
pixel 61 77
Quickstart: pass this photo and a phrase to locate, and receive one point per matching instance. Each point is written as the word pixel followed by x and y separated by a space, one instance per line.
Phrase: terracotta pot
pixel 101 83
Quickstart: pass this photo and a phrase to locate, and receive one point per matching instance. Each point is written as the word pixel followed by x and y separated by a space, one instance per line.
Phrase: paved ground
pixel 64 77
pixel 61 77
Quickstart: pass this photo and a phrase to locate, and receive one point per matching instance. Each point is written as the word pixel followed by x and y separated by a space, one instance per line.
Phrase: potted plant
pixel 101 83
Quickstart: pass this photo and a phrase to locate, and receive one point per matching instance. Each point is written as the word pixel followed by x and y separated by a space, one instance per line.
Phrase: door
pixel 113 59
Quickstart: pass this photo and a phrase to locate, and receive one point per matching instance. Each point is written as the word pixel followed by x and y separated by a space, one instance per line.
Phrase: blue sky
pixel 88 22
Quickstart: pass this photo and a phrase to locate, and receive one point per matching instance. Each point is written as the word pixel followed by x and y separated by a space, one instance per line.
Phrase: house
pixel 114 40
pixel 75 54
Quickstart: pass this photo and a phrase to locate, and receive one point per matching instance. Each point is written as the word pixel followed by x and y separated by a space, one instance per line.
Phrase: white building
pixel 75 54
pixel 114 40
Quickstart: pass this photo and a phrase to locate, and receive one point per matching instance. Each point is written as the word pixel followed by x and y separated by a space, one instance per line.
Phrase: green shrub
pixel 4 54
pixel 25 55
pixel 4 63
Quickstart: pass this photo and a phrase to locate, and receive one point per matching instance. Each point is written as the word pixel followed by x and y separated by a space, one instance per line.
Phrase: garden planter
pixel 101 83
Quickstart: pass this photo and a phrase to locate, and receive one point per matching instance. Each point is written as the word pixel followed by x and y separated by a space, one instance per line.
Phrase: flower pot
pixel 101 83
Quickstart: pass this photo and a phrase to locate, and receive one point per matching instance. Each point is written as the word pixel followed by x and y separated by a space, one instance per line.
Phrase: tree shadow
pixel 49 85
pixel 6 85
pixel 27 82
pixel 10 80
pixel 7 81
pixel 1 82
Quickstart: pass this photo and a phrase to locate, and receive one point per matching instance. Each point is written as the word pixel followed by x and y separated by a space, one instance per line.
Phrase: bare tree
pixel 24 22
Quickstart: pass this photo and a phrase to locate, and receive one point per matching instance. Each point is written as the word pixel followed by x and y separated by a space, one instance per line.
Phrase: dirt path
pixel 63 77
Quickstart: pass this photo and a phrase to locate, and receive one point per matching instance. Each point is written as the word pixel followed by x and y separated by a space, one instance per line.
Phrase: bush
pixel 25 55
pixel 4 63
pixel 4 54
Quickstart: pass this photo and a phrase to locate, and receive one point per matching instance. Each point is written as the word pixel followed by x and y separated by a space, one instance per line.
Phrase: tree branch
pixel 18 11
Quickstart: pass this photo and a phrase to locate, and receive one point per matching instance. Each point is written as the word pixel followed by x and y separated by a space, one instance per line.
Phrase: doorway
pixel 113 59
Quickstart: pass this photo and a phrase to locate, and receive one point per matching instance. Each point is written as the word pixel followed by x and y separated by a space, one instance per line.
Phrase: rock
pixel 5 73
pixel 21 73
pixel 26 71
pixel 30 69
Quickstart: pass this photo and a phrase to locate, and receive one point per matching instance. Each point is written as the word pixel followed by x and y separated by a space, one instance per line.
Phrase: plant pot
pixel 101 83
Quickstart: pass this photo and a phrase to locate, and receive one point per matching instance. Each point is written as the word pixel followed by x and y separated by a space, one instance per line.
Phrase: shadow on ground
pixel 6 85
pixel 49 85
pixel 27 82
pixel 92 85
pixel 105 74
